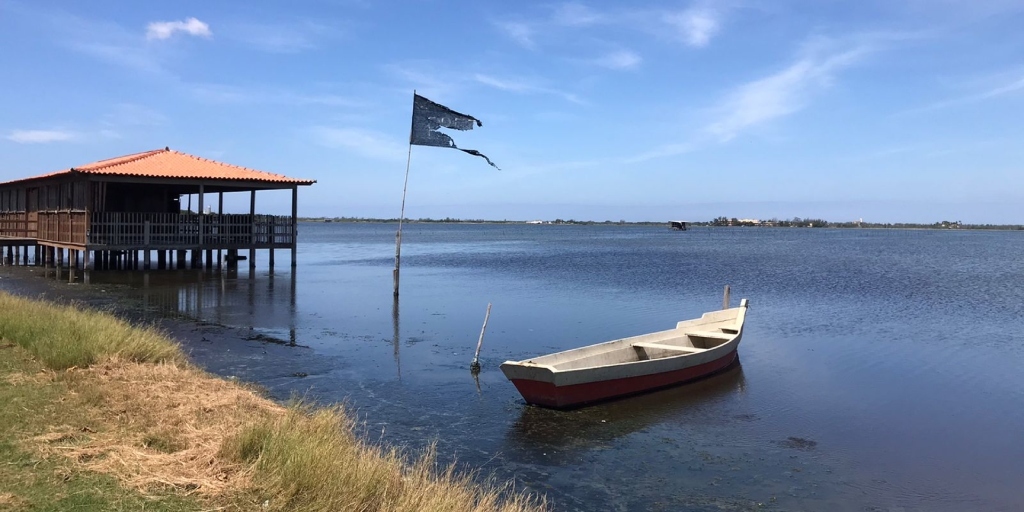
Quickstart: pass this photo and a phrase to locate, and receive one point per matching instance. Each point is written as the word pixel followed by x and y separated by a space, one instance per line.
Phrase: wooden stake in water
pixel 401 217
pixel 475 366
pixel 725 300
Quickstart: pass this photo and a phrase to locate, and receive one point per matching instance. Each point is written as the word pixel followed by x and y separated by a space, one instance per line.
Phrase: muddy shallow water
pixel 879 370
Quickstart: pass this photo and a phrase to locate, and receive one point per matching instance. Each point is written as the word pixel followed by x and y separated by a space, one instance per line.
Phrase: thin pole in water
pixel 401 217
pixel 725 299
pixel 475 366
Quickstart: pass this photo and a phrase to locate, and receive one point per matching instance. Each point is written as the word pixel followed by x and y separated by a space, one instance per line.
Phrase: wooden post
pixel 220 213
pixel 161 259
pixel 401 216
pixel 725 299
pixel 202 215
pixel 145 244
pixel 475 366
pixel 86 266
pixel 295 223
pixel 252 230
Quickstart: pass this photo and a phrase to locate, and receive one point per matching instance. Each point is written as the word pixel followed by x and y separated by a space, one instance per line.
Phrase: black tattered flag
pixel 428 117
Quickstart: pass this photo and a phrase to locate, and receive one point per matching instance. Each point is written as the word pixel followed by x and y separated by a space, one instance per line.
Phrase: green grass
pixel 313 460
pixel 70 336
pixel 298 458
pixel 30 404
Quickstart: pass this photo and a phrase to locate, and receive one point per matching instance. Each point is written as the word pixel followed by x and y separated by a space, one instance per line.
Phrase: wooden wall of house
pixel 12 200
pixel 45 196
pixel 80 195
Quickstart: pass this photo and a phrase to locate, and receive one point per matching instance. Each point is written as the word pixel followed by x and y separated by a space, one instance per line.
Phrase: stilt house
pixel 105 214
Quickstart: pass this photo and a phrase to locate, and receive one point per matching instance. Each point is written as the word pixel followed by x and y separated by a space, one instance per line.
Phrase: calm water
pixel 880 370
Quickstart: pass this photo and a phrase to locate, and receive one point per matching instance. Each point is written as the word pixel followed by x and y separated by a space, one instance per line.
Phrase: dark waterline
pixel 880 369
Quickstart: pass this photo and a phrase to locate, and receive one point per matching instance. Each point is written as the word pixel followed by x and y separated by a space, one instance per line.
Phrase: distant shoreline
pixel 769 224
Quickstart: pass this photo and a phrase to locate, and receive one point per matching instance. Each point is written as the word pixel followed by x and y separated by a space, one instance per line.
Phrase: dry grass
pixel 158 425
pixel 144 416
pixel 9 501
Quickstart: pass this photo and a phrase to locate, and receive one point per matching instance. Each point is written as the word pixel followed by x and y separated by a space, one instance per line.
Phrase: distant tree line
pixel 795 222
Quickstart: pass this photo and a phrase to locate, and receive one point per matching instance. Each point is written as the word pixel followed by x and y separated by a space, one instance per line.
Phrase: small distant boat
pixel 679 225
pixel 694 349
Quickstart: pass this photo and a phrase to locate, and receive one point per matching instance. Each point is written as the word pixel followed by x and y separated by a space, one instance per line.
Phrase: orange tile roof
pixel 165 163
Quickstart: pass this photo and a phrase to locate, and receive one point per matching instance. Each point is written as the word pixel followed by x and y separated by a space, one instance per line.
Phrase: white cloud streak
pixel 621 59
pixel 522 87
pixel 220 93
pixel 166 29
pixel 576 15
pixel 1002 90
pixel 778 95
pixel 695 27
pixel 41 136
pixel 362 142
pixel 283 38
pixel 520 33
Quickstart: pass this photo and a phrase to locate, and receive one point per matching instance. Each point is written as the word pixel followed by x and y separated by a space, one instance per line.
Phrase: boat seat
pixel 710 334
pixel 677 348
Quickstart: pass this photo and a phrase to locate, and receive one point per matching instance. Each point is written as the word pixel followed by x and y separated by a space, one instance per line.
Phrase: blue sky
pixel 886 110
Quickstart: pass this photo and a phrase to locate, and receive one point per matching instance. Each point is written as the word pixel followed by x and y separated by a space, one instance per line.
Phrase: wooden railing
pixel 14 225
pixel 194 230
pixel 152 230
pixel 67 226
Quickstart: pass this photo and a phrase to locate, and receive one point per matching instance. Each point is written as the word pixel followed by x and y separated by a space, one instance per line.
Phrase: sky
pixel 881 110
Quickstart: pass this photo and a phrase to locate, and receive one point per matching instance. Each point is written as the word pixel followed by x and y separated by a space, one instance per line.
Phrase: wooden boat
pixel 694 349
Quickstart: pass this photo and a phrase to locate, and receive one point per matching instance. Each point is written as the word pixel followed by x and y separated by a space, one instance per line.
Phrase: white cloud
pixel 505 85
pixel 524 87
pixel 521 33
pixel 121 54
pixel 621 59
pixel 993 92
pixel 166 29
pixel 132 115
pixel 695 27
pixel 40 136
pixel 780 94
pixel 661 152
pixel 576 15
pixel 221 93
pixel 367 143
pixel 280 38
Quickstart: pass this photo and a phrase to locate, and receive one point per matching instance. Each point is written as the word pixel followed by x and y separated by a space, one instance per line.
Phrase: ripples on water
pixel 880 369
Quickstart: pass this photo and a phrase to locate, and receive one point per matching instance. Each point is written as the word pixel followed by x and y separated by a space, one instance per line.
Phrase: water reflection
pixel 397 336
pixel 547 433
pixel 257 302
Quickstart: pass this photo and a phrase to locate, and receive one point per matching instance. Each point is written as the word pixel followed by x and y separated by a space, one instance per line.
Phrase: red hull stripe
pixel 549 395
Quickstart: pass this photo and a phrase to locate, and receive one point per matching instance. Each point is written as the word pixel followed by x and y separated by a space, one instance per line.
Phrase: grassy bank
pixel 99 414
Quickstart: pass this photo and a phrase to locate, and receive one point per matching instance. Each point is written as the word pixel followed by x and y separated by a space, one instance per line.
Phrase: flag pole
pixel 401 217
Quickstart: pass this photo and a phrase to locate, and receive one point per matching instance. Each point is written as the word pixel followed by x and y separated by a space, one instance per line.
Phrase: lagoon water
pixel 880 369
